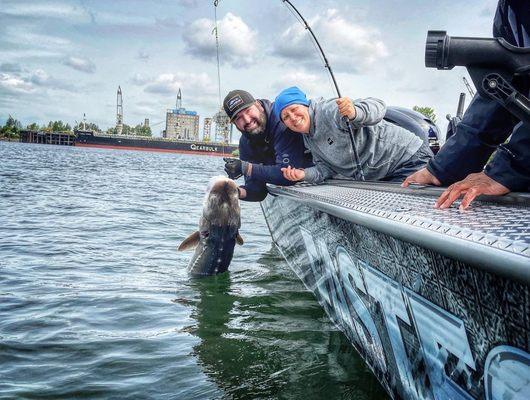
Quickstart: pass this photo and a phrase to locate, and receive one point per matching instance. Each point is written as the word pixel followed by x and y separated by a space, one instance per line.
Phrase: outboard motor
pixel 454 121
pixel 417 123
pixel 495 66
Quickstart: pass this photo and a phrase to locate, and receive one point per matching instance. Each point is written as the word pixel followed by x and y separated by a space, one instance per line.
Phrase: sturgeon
pixel 218 231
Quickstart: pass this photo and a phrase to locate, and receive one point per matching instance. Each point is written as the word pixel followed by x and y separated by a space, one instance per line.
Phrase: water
pixel 95 301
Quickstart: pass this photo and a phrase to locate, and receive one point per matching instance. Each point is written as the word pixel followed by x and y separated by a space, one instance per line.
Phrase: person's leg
pixel 418 161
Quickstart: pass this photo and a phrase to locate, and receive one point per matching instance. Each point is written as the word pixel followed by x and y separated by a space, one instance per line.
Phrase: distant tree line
pixel 12 128
pixel 139 130
pixel 427 111
pixel 87 126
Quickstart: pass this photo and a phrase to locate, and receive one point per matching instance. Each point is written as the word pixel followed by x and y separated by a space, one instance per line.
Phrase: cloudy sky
pixel 60 59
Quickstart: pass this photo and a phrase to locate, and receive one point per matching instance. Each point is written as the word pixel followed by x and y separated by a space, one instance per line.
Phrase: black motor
pixel 495 66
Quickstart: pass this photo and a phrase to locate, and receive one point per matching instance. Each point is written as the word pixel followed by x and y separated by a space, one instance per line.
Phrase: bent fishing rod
pixel 328 67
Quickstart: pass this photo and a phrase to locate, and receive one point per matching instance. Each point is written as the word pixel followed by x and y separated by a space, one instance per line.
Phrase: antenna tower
pixel 468 86
pixel 119 112
pixel 206 129
pixel 179 100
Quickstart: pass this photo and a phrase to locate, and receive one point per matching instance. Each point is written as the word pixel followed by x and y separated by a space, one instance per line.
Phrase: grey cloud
pixel 41 78
pixel 487 12
pixel 237 40
pixel 187 3
pixel 38 10
pixel 159 88
pixel 197 88
pixel 358 50
pixel 414 88
pixel 23 83
pixel 140 79
pixel 80 64
pixel 142 55
pixel 10 67
pixel 12 83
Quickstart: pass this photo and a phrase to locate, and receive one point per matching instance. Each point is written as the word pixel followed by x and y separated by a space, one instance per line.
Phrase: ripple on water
pixel 95 301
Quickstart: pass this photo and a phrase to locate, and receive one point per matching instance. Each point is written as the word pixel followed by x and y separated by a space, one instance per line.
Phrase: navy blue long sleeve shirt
pixel 277 147
pixel 486 124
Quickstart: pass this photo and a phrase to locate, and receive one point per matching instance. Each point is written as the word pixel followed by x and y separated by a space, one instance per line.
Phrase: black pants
pixel 418 161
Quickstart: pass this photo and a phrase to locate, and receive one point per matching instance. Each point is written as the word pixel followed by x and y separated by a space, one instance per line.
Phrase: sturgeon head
pixel 218 229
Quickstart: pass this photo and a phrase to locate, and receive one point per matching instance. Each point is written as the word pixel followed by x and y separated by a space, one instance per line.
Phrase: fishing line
pixel 216 3
pixel 300 18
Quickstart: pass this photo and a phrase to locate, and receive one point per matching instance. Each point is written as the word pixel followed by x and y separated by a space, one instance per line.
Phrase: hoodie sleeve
pixel 369 111
pixel 510 165
pixel 256 189
pixel 320 172
pixel 289 150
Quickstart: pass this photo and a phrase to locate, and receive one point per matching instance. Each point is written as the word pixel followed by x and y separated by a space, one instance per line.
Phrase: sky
pixel 62 59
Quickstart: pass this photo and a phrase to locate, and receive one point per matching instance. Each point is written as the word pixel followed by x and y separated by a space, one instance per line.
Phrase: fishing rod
pixel 328 67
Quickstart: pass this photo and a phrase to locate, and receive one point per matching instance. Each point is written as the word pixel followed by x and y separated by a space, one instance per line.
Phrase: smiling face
pixel 296 118
pixel 251 120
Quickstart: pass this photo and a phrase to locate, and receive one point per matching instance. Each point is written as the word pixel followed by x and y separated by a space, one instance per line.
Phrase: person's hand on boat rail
pixel 471 186
pixel 421 177
pixel 293 174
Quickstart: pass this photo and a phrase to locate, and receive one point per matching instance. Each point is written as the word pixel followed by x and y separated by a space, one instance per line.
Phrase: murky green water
pixel 95 301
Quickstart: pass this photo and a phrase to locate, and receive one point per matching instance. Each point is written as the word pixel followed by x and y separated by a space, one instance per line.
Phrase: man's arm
pixel 289 150
pixel 319 173
pixel 253 189
pixel 369 111
pixel 316 174
pixel 510 165
pixel 268 173
pixel 484 126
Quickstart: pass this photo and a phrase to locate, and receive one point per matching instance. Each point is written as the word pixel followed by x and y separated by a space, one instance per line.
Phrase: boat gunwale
pixel 491 259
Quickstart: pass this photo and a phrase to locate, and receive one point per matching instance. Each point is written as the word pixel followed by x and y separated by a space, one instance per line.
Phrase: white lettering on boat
pixel 341 283
pixel 202 148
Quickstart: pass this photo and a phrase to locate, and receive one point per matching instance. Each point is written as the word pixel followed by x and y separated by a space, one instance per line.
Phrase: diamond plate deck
pixel 495 234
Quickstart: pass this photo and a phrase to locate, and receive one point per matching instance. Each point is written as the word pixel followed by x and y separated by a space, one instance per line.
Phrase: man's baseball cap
pixel 236 101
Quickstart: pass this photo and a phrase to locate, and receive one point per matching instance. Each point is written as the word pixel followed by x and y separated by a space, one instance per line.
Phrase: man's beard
pixel 262 122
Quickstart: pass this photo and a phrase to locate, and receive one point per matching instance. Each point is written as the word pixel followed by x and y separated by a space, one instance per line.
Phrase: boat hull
pixel 88 139
pixel 429 326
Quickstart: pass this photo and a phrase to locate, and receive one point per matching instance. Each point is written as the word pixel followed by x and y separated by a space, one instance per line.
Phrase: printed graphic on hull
pixel 428 327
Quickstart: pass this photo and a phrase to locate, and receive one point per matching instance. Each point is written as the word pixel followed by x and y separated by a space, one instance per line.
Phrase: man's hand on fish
pixel 233 167
pixel 421 177
pixel 293 174
pixel 472 186
pixel 346 108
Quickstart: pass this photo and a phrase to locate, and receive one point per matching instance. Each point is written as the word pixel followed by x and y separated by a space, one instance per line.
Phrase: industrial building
pixel 181 123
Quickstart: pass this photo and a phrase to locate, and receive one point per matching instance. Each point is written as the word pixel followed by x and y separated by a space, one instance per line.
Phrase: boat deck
pixel 494 233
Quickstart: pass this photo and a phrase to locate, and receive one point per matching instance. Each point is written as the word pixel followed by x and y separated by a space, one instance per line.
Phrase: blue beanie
pixel 288 96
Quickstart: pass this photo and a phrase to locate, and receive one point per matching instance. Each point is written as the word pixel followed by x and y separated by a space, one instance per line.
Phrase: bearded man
pixel 265 147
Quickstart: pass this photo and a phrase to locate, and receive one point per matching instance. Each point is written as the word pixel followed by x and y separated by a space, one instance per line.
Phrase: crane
pixel 468 86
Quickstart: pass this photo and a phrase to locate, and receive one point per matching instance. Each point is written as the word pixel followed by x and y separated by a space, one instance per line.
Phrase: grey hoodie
pixel 382 147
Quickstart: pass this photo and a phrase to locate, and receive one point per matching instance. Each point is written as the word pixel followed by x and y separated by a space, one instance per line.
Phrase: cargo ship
pixel 87 138
pixel 437 302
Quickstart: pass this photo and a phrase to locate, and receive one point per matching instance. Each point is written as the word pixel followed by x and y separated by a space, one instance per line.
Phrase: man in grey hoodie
pixel 387 152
